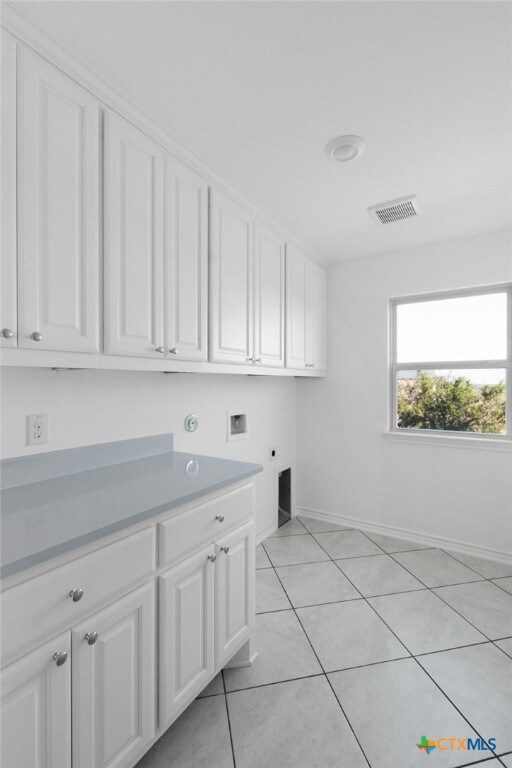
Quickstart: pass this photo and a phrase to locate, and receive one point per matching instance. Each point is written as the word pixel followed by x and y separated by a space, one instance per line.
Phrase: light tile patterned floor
pixel 366 643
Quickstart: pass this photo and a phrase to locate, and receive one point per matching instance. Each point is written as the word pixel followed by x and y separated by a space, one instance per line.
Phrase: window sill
pixel 451 441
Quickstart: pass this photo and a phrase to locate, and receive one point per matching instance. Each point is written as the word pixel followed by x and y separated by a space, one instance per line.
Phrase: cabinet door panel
pixel 36 709
pixel 113 683
pixel 58 248
pixel 269 266
pixel 133 240
pixel 231 303
pixel 8 286
pixel 234 592
pixel 186 262
pixel 315 338
pixel 296 286
pixel 186 633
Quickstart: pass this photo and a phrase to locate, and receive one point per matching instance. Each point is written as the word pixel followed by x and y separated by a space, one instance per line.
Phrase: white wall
pixel 347 467
pixel 86 407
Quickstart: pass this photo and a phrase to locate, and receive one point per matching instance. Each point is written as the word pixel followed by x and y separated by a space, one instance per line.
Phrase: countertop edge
pixel 16 567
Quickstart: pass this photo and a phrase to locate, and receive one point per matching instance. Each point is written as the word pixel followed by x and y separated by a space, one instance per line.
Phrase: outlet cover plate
pixel 37 429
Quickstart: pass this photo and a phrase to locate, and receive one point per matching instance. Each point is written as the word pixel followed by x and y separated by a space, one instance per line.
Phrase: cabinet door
pixel 36 709
pixel 58 248
pixel 8 301
pixel 113 682
pixel 269 266
pixel 133 241
pixel 231 281
pixel 234 592
pixel 315 317
pixel 296 293
pixel 185 262
pixel 186 633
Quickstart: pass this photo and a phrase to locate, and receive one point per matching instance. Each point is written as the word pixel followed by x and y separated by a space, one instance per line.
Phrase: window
pixel 451 363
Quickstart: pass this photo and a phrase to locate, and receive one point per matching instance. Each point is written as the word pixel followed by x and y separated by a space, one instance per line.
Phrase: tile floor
pixel 366 643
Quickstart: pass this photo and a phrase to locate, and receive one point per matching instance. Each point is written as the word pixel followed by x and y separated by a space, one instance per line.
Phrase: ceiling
pixel 257 89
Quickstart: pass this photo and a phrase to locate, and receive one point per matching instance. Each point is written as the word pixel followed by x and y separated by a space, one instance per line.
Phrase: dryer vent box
pixel 237 425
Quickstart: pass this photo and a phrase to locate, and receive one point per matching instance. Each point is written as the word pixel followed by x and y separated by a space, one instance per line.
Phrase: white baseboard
pixel 266 532
pixel 403 533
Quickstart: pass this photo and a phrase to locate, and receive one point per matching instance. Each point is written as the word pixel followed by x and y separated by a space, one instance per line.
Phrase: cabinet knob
pixel 36 336
pixel 220 518
pixel 173 351
pixel 212 558
pixel 76 594
pixel 91 637
pixel 7 333
pixel 60 657
pixel 225 549
pixel 257 359
pixel 160 350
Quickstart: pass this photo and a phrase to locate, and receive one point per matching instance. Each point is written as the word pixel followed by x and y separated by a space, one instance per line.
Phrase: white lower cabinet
pixel 86 697
pixel 103 673
pixel 206 615
pixel 113 682
pixel 234 592
pixel 186 633
pixel 36 708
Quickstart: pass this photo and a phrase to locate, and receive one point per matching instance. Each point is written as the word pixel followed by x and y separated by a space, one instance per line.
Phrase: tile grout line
pixel 407 649
pixel 320 664
pixel 229 720
pixel 389 628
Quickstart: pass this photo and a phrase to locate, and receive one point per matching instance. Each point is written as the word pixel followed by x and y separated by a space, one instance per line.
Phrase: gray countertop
pixel 56 514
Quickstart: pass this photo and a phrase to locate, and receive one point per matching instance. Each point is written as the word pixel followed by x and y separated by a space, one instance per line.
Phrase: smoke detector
pixel 345 148
pixel 395 210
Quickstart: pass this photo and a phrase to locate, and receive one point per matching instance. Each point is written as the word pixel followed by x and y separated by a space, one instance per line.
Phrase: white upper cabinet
pixel 269 282
pixel 296 287
pixel 58 241
pixel 315 315
pixel 8 287
pixel 305 312
pixel 133 241
pixel 185 262
pixel 231 281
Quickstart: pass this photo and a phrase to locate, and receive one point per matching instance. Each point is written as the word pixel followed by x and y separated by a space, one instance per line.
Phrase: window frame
pixel 445 436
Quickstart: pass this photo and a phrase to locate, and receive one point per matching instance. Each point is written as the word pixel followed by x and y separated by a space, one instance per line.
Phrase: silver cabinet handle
pixel 91 637
pixel 36 336
pixel 7 333
pixel 220 518
pixel 76 594
pixel 173 351
pixel 60 657
pixel 225 549
pixel 257 359
pixel 160 350
pixel 212 558
pixel 250 359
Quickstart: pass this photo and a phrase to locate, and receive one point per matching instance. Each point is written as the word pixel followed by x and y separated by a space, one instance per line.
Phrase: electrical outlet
pixel 37 429
pixel 272 454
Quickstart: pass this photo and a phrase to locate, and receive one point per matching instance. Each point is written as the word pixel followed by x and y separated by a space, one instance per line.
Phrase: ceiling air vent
pixel 395 210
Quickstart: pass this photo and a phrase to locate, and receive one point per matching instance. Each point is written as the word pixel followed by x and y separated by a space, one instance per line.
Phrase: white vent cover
pixel 395 210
